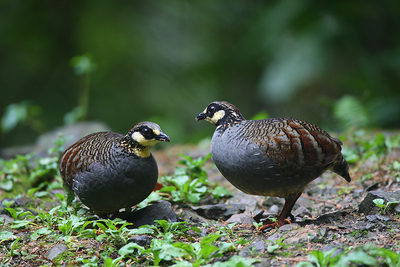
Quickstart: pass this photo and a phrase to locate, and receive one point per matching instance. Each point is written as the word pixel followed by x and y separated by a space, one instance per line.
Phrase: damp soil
pixel 326 216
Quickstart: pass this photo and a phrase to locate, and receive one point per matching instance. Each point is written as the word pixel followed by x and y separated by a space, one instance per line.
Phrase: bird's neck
pixel 229 121
pixel 132 147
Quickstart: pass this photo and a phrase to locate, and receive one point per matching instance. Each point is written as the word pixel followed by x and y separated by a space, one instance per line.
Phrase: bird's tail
pixel 341 167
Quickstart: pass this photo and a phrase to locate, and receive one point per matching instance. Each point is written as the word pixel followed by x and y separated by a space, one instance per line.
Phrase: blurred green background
pixel 333 63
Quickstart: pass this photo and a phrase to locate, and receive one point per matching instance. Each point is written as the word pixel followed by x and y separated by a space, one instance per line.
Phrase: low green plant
pixel 112 230
pixel 165 248
pixel 11 170
pixel 189 183
pixel 380 203
pixel 22 218
pixel 275 245
pixel 29 170
pixel 366 255
pixel 23 113
pixel 370 148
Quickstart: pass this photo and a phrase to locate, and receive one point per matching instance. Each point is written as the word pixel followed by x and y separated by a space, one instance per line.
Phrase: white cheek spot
pixel 217 116
pixel 205 111
pixel 138 137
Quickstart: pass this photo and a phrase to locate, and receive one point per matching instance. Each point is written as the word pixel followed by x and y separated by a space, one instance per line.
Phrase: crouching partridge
pixel 109 171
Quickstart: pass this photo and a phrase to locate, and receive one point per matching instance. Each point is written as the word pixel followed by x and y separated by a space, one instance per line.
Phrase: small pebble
pixel 55 251
pixel 274 209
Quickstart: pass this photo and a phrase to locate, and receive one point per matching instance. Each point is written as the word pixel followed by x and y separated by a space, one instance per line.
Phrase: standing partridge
pixel 109 171
pixel 272 157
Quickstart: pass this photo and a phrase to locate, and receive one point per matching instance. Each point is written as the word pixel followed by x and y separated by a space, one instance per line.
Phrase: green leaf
pixel 194 197
pixel 351 112
pixel 42 194
pixel 272 248
pixel 130 248
pixel 141 231
pixel 166 252
pixel 83 64
pixel 207 250
pixel 20 224
pixel 234 261
pixel 14 114
pixel 101 226
pixel 5 235
pixel 379 202
pixel 220 191
pixel 209 239
pixel 186 247
pixel 225 246
pixel 13 213
pixel 167 189
pixel 396 165
pixel 42 231
pixel 7 185
pixel 358 257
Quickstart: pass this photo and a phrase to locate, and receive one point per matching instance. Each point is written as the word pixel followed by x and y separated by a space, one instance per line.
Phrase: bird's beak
pixel 163 137
pixel 201 116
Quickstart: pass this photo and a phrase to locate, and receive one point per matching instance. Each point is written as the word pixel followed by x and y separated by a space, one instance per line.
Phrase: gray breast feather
pixel 247 167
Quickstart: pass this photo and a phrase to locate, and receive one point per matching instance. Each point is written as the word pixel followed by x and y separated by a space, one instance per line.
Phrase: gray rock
pixel 55 251
pixel 322 232
pixel 368 206
pixel 300 237
pixel 274 237
pixel 219 211
pixel 160 210
pixel 269 201
pixel 330 217
pixel 274 209
pixel 264 262
pixel 72 132
pixel 376 218
pixel 337 251
pixel 6 219
pixel 243 218
pixel 288 227
pixel 22 201
pixel 370 226
pixel 3 207
pixel 250 202
pixel 193 218
pixel 141 240
pixel 254 249
pixel 301 212
pixel 258 215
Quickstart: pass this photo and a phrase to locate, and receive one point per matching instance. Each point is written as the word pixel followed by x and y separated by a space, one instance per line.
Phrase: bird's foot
pixel 269 224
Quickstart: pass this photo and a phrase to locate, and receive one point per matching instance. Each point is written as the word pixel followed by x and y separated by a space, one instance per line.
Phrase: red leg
pixel 286 212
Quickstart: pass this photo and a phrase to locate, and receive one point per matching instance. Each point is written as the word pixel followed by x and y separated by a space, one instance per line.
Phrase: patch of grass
pixel 366 255
pixel 276 245
pixel 190 184
pixel 28 173
pixel 367 147
pixel 380 203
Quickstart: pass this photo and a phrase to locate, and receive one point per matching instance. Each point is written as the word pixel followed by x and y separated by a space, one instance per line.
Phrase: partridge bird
pixel 109 171
pixel 272 157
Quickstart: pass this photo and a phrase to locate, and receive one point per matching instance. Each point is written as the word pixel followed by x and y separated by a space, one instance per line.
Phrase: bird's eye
pixel 211 109
pixel 146 132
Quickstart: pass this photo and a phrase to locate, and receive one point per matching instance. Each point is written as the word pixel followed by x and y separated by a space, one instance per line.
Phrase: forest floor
pixel 37 229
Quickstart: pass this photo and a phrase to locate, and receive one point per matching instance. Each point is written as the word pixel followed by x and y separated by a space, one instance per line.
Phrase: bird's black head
pixel 147 134
pixel 221 113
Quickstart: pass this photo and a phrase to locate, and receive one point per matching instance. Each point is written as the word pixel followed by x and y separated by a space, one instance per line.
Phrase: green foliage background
pixel 334 63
